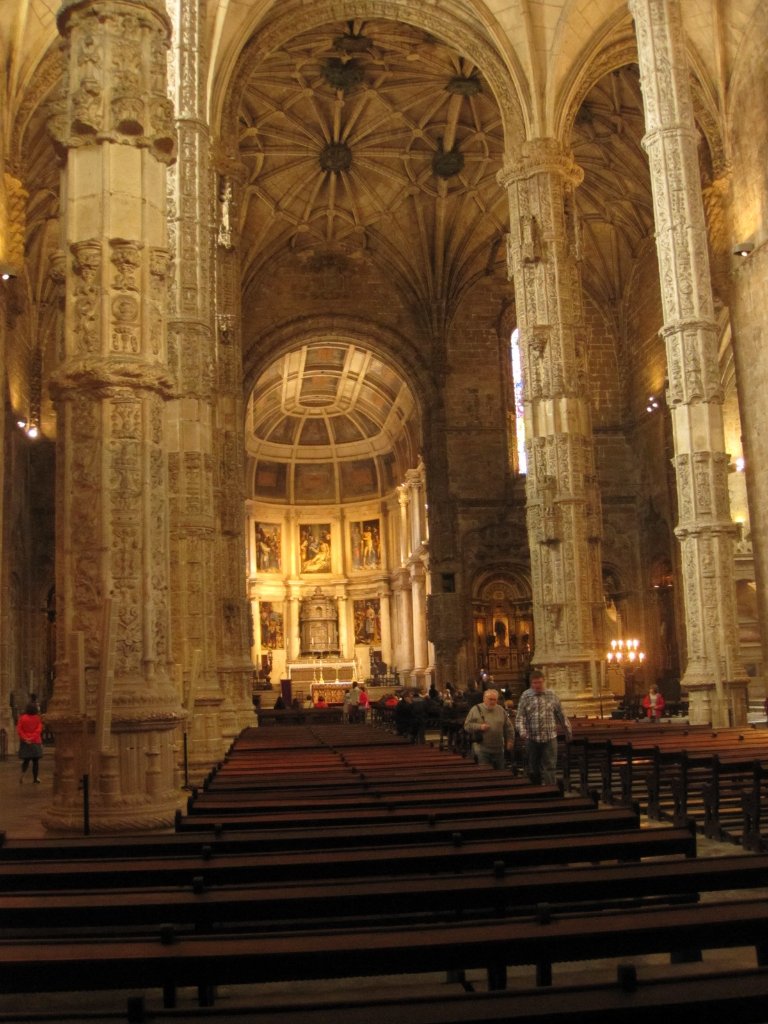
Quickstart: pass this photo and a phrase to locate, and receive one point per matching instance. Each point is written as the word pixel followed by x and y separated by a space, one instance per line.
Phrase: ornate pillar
pixel 404 537
pixel 12 231
pixel 403 653
pixel 292 626
pixel 235 668
pixel 713 677
pixel 419 623
pixel 386 625
pixel 563 503
pixel 346 648
pixel 415 485
pixel 190 416
pixel 256 650
pixel 114 127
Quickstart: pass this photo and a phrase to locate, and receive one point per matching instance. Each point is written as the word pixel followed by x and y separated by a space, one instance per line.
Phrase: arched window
pixel 517 385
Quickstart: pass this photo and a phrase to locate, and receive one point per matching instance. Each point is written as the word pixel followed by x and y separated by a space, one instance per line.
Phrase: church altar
pixel 330 676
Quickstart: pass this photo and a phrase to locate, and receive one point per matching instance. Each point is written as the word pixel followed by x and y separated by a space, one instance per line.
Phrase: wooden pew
pixel 172 961
pixel 383 812
pixel 632 997
pixel 496 893
pixel 453 855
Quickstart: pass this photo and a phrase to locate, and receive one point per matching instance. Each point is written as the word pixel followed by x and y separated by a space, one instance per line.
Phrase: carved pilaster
pixel 563 503
pixel 705 529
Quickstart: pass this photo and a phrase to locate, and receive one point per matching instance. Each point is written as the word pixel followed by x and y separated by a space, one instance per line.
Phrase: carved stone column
pixel 346 634
pixel 563 503
pixel 191 415
pixel 403 653
pixel 386 625
pixel 235 668
pixel 419 623
pixel 292 625
pixel 415 484
pixel 114 127
pixel 404 536
pixel 713 678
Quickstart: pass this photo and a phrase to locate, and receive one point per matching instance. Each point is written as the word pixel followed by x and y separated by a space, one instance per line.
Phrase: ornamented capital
pixel 541 156
pixel 115 86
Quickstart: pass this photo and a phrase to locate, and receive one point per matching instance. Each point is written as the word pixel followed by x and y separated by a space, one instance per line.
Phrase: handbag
pixel 478 734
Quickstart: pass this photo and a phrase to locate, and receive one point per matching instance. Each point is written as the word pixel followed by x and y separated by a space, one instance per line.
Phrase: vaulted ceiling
pixel 372 137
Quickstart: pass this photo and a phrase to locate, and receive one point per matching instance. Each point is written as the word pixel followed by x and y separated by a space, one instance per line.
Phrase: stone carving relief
pixel 115 88
pixel 86 294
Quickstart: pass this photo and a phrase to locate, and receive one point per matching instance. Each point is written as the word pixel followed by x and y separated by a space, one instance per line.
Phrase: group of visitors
pixel 538 718
pixel 539 714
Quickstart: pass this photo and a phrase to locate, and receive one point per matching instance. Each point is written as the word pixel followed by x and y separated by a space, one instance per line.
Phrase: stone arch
pixel 383 341
pixel 507 83
pixel 622 50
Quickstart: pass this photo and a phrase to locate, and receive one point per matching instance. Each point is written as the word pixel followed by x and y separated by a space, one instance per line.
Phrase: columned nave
pixel 351 339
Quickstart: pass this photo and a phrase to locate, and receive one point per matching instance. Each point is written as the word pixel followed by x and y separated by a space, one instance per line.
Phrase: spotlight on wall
pixel 653 404
pixel 739 464
pixel 743 248
pixel 7 272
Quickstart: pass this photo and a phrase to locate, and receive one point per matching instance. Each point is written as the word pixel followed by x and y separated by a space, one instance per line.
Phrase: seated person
pixel 653 702
pixel 321 701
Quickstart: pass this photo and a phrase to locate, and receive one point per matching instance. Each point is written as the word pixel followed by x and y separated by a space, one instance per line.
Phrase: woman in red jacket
pixel 653 703
pixel 30 730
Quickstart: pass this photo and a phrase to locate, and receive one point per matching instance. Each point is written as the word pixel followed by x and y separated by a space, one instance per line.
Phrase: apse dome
pixel 329 422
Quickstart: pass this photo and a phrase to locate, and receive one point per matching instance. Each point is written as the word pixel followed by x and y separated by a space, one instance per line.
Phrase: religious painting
pixel 367 621
pixel 315 547
pixel 271 621
pixel 365 540
pixel 268 558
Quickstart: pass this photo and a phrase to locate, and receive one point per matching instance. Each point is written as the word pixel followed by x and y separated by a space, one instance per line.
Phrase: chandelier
pixel 625 652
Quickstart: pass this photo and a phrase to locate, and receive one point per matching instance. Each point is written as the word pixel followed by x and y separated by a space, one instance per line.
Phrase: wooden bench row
pixel 416 878
pixel 713 778
pixel 497 892
pixel 542 941
pixel 632 997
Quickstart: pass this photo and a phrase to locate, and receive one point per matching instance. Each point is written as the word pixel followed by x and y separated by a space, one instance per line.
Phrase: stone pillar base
pixel 128 791
pixel 236 682
pixel 113 820
pixel 706 708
